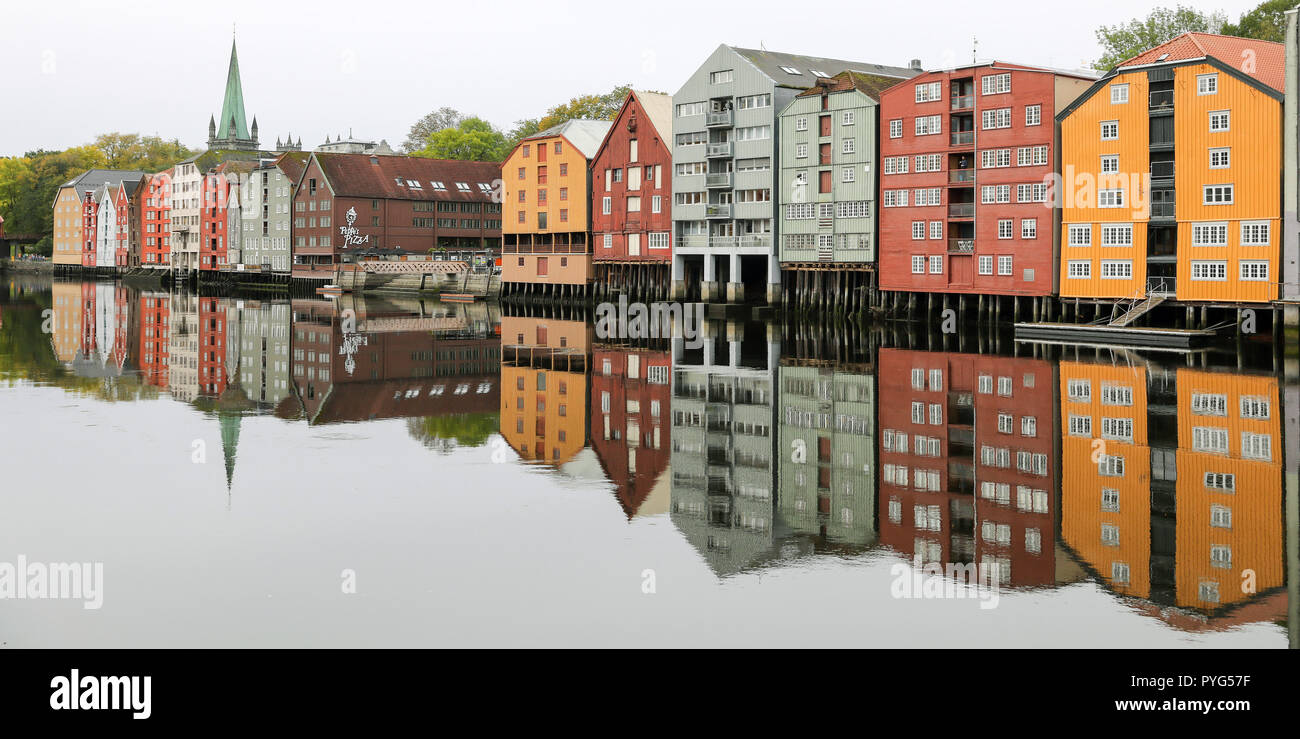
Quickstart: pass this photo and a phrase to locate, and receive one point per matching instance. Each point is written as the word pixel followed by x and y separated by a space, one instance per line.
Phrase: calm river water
pixel 396 472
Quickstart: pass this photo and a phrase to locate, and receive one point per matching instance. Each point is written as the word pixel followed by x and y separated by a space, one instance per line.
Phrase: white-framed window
pixel 995 118
pixel 936 382
pixel 1030 156
pixel 1256 233
pixel 1110 500
pixel 1256 446
pixel 1116 269
pixel 1255 406
pixel 995 84
pixel 1110 466
pixel 918 378
pixel 1216 194
pixel 1028 426
pixel 1079 269
pixel 1212 439
pixel 1110 535
pixel 846 118
pixel 927 92
pixel 1119 573
pixel 1220 517
pixel 721 76
pixel 1118 94
pixel 1117 234
pixel 1028 228
pixel 1079 391
pixel 896 128
pixel 1004 265
pixel 1080 425
pixel 1207 84
pixel 685 110
pixel 847 174
pixel 929 162
pixel 936 264
pixel 995 194
pixel 1214 271
pixel 1121 395
pixel 1080 234
pixel 800 151
pixel 986 265
pixel 1209 404
pixel 1221 557
pixel 1109 130
pixel 846 147
pixel 1254 270
pixel 1220 120
pixel 918 230
pixel 1208 591
pixel 1006 228
pixel 609 241
pixel 936 230
pixel 606 205
pixel 985 384
pixel 1220 158
pixel 895 165
pixel 894 199
pixel 927 125
pixel 1209 234
pixel 918 264
pixel 1221 482
pixel 1033 115
pixel 991 158
pixel 1110 198
pixel 1117 429
pixel 1109 163
pixel 1035 192
pixel 1004 386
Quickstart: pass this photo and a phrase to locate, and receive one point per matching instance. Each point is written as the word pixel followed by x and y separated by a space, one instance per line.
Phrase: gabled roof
pixel 584 135
pixel 378 176
pixel 1269 58
pixel 292 163
pixel 658 108
pixel 91 179
pixel 870 85
pixel 774 65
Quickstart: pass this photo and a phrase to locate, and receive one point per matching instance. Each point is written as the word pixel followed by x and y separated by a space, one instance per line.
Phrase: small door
pixel 825 125
pixel 824 181
pixel 825 152
pixel 542 267
pixel 823 449
pixel 633 245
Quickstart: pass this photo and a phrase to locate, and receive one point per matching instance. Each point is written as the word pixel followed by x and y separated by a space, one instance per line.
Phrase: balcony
pixel 963 138
pixel 1162 99
pixel 963 102
pixel 720 179
pixel 719 150
pixel 1162 170
pixel 961 246
pixel 717 210
pixel 961 210
pixel 719 118
pixel 961 175
pixel 722 242
pixel 1163 210
pixel 756 240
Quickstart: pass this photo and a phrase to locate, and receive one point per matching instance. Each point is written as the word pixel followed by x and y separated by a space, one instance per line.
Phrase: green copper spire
pixel 233 104
pixel 230 442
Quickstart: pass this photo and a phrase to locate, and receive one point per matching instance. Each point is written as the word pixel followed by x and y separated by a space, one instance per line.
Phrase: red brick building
pixel 212 222
pixel 631 192
pixel 964 154
pixel 155 220
pixel 348 206
pixel 968 461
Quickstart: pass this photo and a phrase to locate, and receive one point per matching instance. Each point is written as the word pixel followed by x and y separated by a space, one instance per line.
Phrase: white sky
pixel 73 69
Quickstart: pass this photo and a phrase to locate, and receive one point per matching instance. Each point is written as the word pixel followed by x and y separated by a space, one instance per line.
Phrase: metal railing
pixel 963 138
pixel 963 102
pixel 961 210
pixel 718 118
pixel 961 246
pixel 717 179
pixel 719 150
pixel 1161 99
pixel 961 175
pixel 717 210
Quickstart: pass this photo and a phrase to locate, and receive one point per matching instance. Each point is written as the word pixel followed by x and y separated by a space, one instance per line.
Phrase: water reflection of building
pixel 967 450
pixel 826 451
pixel 94 326
pixel 155 341
pixel 183 348
pixel 262 346
pixel 374 358
pixel 631 401
pixel 544 387
pixel 723 446
pixel 1172 488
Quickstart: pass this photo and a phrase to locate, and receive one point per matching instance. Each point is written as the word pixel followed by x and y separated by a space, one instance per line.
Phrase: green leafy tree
pixel 590 107
pixel 133 151
pixel 418 137
pixel 1129 39
pixel 1267 22
pixel 474 140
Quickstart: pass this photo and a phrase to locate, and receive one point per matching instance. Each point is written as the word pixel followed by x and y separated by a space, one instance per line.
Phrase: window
pixel 896 128
pixel 1217 194
pixel 1118 94
pixel 1225 483
pixel 1031 193
pixel 1080 425
pixel 606 205
pixel 994 84
pixel 1110 164
pixel 936 265
pixel 918 230
pixel 847 146
pixel 801 123
pixel 997 118
pixel 1254 406
pixel 1209 404
pixel 1109 130
pixel 927 125
pixel 986 265
pixel 1005 228
pixel 1004 266
pixel 846 118
pixel 1255 233
pixel 749 102
pixel 1029 156
pixel 894 199
pixel 991 158
pixel 1220 158
pixel 1254 271
pixel 895 165
pixel 929 92
pixel 1110 500
pixel 1110 535
pixel 936 230
pixel 1117 234
pixel 1221 557
pixel 1117 429
pixel 1207 84
pixel 1256 446
pixel 1208 270
pixel 918 264
pixel 1080 234
pixel 1209 234
pixel 1121 395
pixel 1033 115
pixel 1210 439
pixel 1110 466
pixel 1079 391
pixel 801 151
pixel 1220 517
pixel 719 77
pixel 685 110
pixel 995 194
pixel 1119 573
pixel 1220 120
pixel 928 163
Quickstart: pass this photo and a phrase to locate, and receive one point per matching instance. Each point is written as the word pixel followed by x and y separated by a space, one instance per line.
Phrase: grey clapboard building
pixel 827 191
pixel 725 159
pixel 266 203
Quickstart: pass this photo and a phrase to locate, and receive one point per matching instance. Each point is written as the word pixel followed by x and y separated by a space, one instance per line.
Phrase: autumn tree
pixel 474 140
pixel 1127 40
pixel 418 137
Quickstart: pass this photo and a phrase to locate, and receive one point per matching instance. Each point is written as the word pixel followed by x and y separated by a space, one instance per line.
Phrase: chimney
pixel 916 65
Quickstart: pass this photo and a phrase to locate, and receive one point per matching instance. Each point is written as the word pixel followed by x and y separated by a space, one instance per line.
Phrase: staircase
pixel 1137 309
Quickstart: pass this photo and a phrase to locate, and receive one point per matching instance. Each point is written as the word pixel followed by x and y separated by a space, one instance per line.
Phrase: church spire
pixel 234 121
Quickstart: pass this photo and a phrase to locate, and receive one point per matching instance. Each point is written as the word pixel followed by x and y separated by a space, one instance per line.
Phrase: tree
pixel 590 107
pixel 474 140
pixel 1267 22
pixel 439 119
pixel 133 151
pixel 1127 40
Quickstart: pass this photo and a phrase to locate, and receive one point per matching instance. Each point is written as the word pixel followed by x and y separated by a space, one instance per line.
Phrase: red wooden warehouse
pixel 631 195
pixel 964 158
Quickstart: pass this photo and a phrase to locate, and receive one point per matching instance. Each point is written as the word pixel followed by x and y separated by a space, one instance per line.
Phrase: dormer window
pixel 414 184
pixel 462 186
pixel 438 186
pixel 790 70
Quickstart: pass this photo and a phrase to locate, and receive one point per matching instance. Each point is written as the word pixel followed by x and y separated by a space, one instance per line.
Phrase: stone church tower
pixel 231 131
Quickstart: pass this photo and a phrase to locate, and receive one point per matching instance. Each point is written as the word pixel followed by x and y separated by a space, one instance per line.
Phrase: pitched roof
pixel 92 179
pixel 870 85
pixel 379 175
pixel 1269 58
pixel 659 108
pixel 585 135
pixel 232 106
pixel 774 65
pixel 292 163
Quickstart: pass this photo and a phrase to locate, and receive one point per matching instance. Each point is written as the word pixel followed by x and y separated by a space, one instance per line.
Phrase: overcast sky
pixel 72 70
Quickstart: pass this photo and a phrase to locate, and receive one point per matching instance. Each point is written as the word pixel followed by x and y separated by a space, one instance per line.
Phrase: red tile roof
pixel 1263 60
pixel 292 163
pixel 384 176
